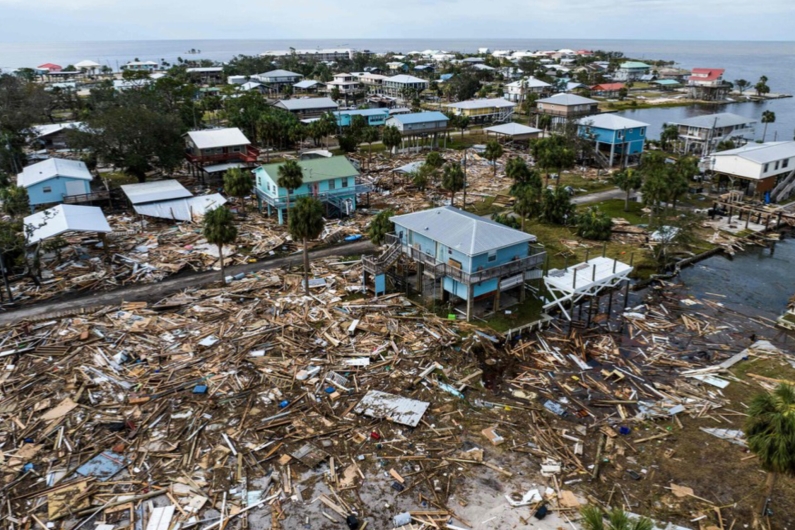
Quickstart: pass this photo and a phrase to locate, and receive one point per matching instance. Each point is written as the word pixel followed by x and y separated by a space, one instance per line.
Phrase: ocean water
pixel 747 60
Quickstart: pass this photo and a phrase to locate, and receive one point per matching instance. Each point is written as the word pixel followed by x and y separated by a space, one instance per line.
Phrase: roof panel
pixel 722 119
pixel 567 100
pixel 482 103
pixel 210 138
pixel 611 122
pixel 512 129
pixel 462 231
pixel 51 168
pixel 762 153
pixel 155 191
pixel 317 169
pixel 307 103
pixel 64 218
pixel 420 117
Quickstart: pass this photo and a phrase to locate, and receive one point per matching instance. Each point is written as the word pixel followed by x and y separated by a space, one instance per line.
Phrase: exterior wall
pixel 374 120
pixel 570 110
pixel 421 127
pixel 57 187
pixel 741 167
pixel 269 187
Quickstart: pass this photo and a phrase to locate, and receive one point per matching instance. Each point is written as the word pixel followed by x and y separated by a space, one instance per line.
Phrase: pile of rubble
pixel 255 405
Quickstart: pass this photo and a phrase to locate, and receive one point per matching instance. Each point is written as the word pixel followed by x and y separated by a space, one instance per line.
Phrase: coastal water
pixel 757 281
pixel 741 60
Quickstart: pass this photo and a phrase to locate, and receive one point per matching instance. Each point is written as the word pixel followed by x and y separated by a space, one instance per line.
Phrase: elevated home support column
pixel 420 270
pixel 497 300
pixel 470 303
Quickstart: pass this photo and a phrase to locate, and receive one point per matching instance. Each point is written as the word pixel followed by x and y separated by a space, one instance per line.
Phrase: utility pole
pixel 464 206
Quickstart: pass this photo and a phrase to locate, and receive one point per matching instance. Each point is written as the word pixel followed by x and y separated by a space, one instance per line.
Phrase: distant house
pixel 333 181
pixel 308 86
pixel 374 117
pixel 513 131
pixel 470 257
pixel 631 71
pixel 700 135
pixel 55 135
pixel 562 107
pixel 62 219
pixel 667 84
pixel 755 168
pixel 607 90
pixel 419 125
pixel 345 83
pixel 140 66
pixel 206 74
pixel 47 68
pixel 399 86
pixel 213 146
pixel 305 108
pixel 707 84
pixel 396 66
pixel 484 110
pixel 51 180
pixel 373 82
pixel 618 139
pixel 518 91
pixel 276 79
pixel 328 55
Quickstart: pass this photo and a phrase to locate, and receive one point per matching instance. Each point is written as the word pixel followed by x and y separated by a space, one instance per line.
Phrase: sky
pixel 101 20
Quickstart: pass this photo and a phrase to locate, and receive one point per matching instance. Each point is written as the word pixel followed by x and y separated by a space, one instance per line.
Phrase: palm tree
pixel 768 116
pixel 593 518
pixel 237 183
pixel 528 202
pixel 492 153
pixel 453 180
pixel 305 223
pixel 291 177
pixel 220 230
pixel 627 180
pixel 370 135
pixel 770 431
pixel 391 137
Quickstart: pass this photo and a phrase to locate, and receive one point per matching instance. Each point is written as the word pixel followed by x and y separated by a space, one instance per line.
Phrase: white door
pixel 75 187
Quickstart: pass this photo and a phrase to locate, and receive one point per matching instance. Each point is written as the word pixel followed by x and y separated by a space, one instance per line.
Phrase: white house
pixel 519 89
pixel 140 66
pixel 757 168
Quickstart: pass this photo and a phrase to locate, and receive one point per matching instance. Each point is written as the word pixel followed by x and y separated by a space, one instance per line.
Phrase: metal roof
pixel 204 69
pixel 722 119
pixel 316 169
pixel 611 122
pixel 530 82
pixel 182 209
pixel 307 83
pixel 512 129
pixel 482 103
pixel 52 128
pixel 210 138
pixel 307 104
pixel 667 82
pixel 86 64
pixel 278 73
pixel 420 117
pixel 64 218
pixel 364 112
pixel 462 231
pixel 567 100
pixel 155 191
pixel 403 78
pixel 762 153
pixel 397 409
pixel 634 64
pixel 51 168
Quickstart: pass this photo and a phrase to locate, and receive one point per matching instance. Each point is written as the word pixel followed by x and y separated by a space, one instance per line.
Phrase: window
pixel 46 189
pixel 492 256
pixel 450 251
pixel 259 182
pixel 345 182
pixel 765 168
pixel 332 184
pixel 642 132
pixel 777 163
pixel 785 163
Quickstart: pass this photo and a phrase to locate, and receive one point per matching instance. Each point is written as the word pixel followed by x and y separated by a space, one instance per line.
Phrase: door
pixel 75 187
pixel 314 187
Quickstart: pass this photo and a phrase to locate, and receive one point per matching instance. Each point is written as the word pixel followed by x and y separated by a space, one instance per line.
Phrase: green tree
pixel 237 183
pixel 655 171
pixel 463 123
pixel 347 143
pixel 420 177
pixel 22 105
pixel 290 177
pixel 593 518
pixel 15 201
pixel 770 431
pixel 623 92
pixel 305 223
pixel 680 176
pixel 670 133
pixel 761 86
pixel 380 226
pixel 370 135
pixel 220 230
pixel 556 206
pixel 768 116
pixel 453 180
pixel 391 138
pixel 493 153
pixel 553 153
pixel 434 160
pixel 725 145
pixel 627 181
pixel 594 224
pixel 741 85
pixel 528 202
pixel 335 93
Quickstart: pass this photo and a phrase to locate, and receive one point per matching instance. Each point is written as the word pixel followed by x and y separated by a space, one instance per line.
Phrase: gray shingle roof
pixel 462 231
pixel 762 153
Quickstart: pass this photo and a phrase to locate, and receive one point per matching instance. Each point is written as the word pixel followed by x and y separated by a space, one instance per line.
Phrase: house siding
pixel 57 186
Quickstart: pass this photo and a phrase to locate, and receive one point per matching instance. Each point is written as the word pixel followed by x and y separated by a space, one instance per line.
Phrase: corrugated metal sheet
pixel 182 209
pixel 51 168
pixel 155 191
pixel 420 117
pixel 307 104
pixel 462 231
pixel 212 138
pixel 397 409
pixel 65 218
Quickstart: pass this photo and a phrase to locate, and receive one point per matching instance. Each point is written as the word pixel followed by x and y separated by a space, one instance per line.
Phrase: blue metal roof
pixel 363 112
pixel 420 117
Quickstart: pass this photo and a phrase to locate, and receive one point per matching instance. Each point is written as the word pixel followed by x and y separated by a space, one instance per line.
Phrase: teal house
pixel 51 181
pixel 469 257
pixel 374 117
pixel 617 139
pixel 333 181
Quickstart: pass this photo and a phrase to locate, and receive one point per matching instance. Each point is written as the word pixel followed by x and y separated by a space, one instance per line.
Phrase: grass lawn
pixel 484 207
pixel 117 179
pixel 528 311
pixel 615 208
pixel 579 182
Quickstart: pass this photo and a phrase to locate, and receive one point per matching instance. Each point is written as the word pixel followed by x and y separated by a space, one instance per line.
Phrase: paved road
pixel 169 286
pixel 599 196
